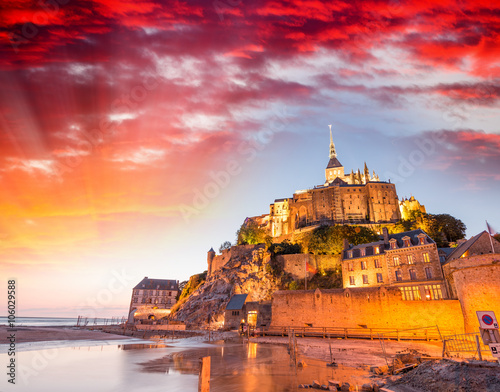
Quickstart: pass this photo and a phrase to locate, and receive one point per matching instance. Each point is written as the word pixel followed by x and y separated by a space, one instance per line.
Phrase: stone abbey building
pixel 357 197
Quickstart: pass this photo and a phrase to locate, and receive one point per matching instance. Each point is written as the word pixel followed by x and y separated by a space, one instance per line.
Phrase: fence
pixel 86 321
pixel 467 342
pixel 424 333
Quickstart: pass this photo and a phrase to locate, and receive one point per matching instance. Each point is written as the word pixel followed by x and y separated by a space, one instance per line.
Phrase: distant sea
pixel 41 321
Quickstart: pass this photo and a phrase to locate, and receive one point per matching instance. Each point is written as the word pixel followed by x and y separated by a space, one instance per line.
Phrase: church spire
pixel 333 153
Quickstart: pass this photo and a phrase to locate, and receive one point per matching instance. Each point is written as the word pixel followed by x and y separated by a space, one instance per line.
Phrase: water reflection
pixel 236 367
pixel 252 367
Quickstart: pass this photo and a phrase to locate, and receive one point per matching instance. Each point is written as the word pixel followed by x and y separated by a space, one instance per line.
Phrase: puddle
pixel 168 366
pixel 253 367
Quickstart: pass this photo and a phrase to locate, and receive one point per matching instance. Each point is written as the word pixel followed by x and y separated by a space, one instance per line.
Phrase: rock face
pixel 244 273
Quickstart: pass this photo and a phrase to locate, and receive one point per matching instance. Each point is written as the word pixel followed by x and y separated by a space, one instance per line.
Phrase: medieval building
pixel 358 197
pixel 153 298
pixel 407 260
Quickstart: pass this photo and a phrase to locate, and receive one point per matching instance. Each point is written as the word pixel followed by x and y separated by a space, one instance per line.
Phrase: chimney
pixel 345 244
pixel 385 232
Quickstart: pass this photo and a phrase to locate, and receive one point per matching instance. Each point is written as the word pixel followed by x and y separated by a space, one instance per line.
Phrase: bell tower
pixel 334 168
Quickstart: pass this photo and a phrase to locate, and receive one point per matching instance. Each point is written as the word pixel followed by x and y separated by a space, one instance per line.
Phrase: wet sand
pixel 355 353
pixel 45 334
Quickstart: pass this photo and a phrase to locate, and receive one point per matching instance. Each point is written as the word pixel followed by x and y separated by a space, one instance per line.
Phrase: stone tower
pixel 210 259
pixel 334 168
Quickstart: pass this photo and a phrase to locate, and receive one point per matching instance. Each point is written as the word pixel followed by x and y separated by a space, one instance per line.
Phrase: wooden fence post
pixel 204 380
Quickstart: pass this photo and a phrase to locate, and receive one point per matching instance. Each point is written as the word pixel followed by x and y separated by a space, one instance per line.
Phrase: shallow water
pixel 235 367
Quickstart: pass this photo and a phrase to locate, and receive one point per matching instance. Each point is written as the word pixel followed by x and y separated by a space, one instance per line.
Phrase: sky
pixel 136 135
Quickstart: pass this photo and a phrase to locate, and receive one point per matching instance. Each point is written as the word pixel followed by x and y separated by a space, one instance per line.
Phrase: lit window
pixel 426 258
pixel 377 250
pixel 396 260
pixel 363 265
pixel 365 279
pixel 349 254
pixel 399 276
pixel 351 266
pixel 410 293
pixel 421 240
pixel 379 278
pixel 428 273
pixel 352 281
pixel 393 245
pixel 407 242
pixel 378 264
pixel 433 292
pixel 413 274
pixel 409 259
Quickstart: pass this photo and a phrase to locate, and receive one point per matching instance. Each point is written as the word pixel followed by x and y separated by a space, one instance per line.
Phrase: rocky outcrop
pixel 244 273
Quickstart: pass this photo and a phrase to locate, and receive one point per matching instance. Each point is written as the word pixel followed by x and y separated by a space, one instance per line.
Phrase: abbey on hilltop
pixel 355 198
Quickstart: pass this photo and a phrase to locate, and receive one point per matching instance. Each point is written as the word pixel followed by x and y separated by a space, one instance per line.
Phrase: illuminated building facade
pixel 153 298
pixel 354 198
pixel 407 260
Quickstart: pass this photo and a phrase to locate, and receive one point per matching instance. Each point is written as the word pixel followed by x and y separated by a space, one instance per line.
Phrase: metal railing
pixel 466 342
pixel 424 333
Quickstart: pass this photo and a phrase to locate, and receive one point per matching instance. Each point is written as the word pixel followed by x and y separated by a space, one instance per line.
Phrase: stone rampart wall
pixel 476 282
pixel 375 307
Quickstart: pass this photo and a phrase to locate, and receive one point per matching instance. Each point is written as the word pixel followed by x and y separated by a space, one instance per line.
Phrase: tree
pixel 443 228
pixel 225 245
pixel 329 240
pixel 250 233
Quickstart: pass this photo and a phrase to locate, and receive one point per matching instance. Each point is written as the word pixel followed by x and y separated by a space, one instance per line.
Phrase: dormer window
pixel 349 254
pixel 421 239
pixel 393 243
pixel 363 251
pixel 376 249
pixel 407 241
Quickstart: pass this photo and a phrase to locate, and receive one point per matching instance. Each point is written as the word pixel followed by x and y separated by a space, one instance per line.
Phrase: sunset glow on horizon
pixel 136 135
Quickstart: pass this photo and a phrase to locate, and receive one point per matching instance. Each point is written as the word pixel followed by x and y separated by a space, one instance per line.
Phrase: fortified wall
pixel 296 264
pixel 374 307
pixel 475 281
pixel 216 262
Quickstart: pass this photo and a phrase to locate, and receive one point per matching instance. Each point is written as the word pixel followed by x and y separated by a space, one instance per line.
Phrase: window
pixel 363 251
pixel 407 242
pixel 410 293
pixel 413 274
pixel 421 240
pixel 365 279
pixel 351 267
pixel 426 258
pixel 399 276
pixel 363 265
pixel 428 272
pixel 409 259
pixel 143 301
pixel 379 278
pixel 352 282
pixel 393 244
pixel 396 260
pixel 236 312
pixel 377 263
pixel 349 254
pixel 135 300
pixel 433 292
pixel 377 250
